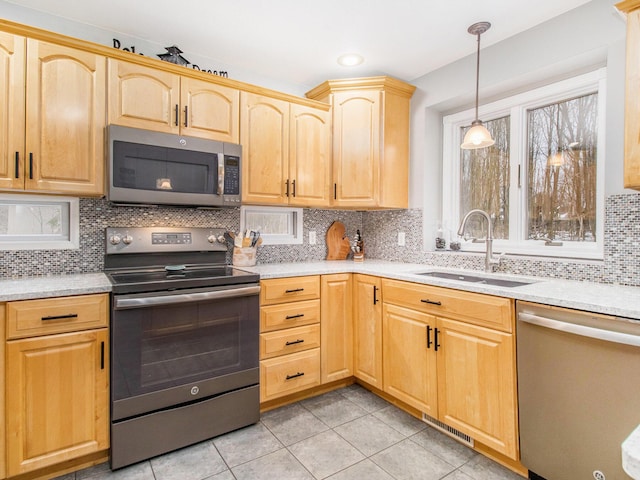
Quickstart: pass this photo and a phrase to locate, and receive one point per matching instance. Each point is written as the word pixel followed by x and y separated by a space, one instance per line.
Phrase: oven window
pixel 164 169
pixel 157 348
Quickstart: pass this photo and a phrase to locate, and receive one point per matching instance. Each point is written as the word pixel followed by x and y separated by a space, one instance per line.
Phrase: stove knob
pixel 212 238
pixel 127 239
pixel 114 239
pixel 221 239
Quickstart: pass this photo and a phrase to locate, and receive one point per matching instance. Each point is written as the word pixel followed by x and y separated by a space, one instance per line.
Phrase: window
pixel 277 225
pixel 29 222
pixel 542 182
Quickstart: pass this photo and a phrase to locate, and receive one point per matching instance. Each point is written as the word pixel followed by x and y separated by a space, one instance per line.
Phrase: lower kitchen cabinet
pixel 441 358
pixel 336 327
pixel 367 321
pixel 57 407
pixel 3 471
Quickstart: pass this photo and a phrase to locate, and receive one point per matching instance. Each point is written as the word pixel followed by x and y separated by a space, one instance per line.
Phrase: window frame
pixel 294 220
pixel 45 242
pixel 517 107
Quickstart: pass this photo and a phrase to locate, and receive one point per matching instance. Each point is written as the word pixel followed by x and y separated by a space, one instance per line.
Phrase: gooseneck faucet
pixel 489 261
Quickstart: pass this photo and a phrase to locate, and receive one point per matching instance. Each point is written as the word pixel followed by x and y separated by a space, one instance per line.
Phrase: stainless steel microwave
pixel 154 168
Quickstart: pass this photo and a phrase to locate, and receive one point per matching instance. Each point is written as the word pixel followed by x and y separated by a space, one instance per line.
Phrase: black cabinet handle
pixel 293 187
pixel 30 165
pixel 435 333
pixel 295 342
pixel 429 342
pixel 289 317
pixel 186 116
pixel 177 115
pixel 295 375
pixel 431 302
pixel 101 355
pixel 335 191
pixel 294 290
pixel 17 164
pixel 60 317
pixel 375 294
pixel 287 185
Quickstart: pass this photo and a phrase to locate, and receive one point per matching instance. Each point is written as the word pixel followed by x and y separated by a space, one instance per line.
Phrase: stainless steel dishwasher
pixel 578 391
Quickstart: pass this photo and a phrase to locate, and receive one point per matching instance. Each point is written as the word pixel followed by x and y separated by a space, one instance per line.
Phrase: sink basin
pixel 498 282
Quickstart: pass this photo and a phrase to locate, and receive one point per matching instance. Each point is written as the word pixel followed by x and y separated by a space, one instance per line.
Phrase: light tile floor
pixel 347 434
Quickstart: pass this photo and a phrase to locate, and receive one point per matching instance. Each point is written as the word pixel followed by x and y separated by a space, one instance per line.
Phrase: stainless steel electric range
pixel 184 340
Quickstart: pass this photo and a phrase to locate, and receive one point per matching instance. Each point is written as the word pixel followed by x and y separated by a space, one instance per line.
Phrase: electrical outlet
pixel 401 239
pixel 312 237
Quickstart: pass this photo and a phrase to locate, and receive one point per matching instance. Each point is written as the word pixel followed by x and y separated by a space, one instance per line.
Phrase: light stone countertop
pixel 592 297
pixel 631 454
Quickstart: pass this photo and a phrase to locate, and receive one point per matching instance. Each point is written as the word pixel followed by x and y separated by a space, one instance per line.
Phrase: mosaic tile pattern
pixel 379 230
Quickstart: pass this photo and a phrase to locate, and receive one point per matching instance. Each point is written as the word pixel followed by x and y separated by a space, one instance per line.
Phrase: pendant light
pixel 477 136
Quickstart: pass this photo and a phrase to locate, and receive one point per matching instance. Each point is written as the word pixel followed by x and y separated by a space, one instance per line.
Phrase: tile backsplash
pixel 621 264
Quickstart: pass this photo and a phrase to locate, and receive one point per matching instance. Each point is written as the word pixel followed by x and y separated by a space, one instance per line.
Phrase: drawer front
pixel 476 308
pixel 294 314
pixel 31 318
pixel 289 340
pixel 293 289
pixel 288 374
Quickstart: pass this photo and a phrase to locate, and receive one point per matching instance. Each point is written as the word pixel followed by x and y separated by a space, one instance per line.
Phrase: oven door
pixel 171 348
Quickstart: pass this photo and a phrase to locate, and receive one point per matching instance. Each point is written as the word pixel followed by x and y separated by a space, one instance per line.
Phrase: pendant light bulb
pixel 477 136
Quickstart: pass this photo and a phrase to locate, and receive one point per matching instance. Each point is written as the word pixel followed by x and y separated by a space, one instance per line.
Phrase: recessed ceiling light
pixel 350 59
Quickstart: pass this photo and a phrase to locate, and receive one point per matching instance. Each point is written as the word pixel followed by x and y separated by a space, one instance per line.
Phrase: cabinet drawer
pixel 31 318
pixel 279 290
pixel 289 340
pixel 295 314
pixel 289 374
pixel 476 308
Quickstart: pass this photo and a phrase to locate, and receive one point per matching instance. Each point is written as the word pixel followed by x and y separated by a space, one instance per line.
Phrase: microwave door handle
pixel 220 173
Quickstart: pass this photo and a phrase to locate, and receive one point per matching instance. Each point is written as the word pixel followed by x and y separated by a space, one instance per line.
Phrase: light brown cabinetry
pixel 149 98
pixel 632 95
pixel 367 319
pixel 53 117
pixel 336 327
pixel 3 470
pixel 289 336
pixel 57 365
pixel 286 152
pixel 370 140
pixel 451 354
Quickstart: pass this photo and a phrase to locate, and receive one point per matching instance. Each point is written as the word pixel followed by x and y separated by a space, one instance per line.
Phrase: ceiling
pixel 298 41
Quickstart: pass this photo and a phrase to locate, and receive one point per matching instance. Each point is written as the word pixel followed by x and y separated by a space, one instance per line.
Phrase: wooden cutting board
pixel 338 246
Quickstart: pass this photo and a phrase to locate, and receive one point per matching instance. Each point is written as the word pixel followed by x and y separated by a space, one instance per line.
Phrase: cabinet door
pixel 632 103
pixel 356 148
pixel 65 119
pixel 310 157
pixel 58 399
pixel 12 64
pixel 264 135
pixel 367 318
pixel 209 110
pixel 144 97
pixel 477 384
pixel 409 367
pixel 336 327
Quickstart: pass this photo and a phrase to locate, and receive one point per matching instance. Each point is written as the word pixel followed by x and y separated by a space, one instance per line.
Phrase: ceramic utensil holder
pixel 244 256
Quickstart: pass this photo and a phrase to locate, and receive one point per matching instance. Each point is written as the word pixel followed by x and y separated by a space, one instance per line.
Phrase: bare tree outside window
pixel 484 181
pixel 562 152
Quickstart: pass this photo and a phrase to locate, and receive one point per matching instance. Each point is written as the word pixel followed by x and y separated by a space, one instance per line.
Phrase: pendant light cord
pixel 477 75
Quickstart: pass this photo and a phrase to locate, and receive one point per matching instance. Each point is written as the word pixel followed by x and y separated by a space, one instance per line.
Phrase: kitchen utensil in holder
pixel 244 256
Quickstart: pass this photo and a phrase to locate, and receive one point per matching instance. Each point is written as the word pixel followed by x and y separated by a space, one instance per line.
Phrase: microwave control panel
pixel 231 175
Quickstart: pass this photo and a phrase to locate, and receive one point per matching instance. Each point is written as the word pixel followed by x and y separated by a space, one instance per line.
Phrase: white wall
pixel 580 40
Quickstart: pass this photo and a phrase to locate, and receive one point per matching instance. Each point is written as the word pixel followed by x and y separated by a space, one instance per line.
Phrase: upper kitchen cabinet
pixel 154 99
pixel 370 141
pixel 632 95
pixel 286 152
pixel 52 134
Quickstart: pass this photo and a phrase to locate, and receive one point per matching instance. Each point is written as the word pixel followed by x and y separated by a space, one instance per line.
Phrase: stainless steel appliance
pixel 184 340
pixel 154 168
pixel 579 391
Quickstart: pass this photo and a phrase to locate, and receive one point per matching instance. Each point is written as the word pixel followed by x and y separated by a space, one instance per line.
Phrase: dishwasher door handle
pixel 598 333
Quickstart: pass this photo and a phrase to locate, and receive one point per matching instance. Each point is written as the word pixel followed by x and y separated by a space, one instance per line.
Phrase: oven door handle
pixel 142 302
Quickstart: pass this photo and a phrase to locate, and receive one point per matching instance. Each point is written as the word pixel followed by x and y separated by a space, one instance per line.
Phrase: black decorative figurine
pixel 174 56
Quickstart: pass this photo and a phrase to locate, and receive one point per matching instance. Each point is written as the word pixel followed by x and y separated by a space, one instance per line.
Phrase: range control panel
pixel 164 239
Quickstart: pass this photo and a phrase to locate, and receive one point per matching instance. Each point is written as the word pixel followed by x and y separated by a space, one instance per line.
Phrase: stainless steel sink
pixel 499 282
